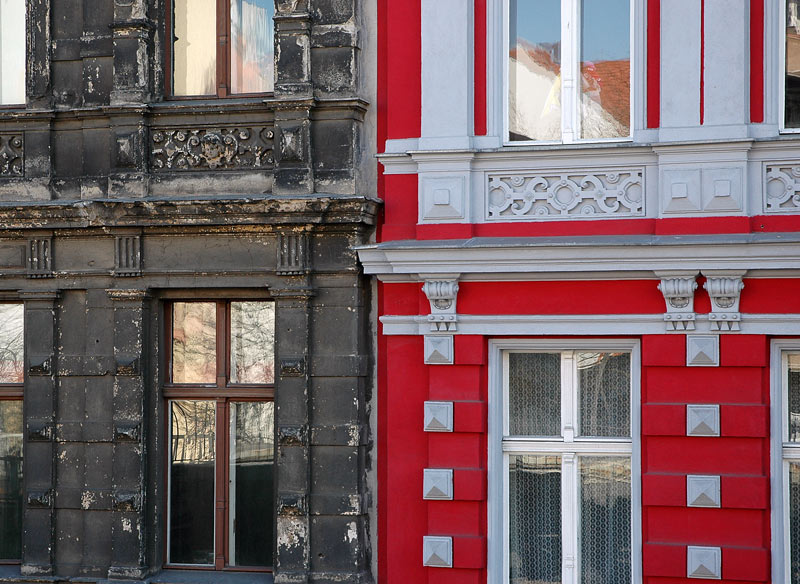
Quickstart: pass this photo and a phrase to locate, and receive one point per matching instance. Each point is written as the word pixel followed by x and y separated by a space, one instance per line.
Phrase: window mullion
pixel 569 516
pixel 220 486
pixel 569 65
pixel 568 397
pixel 222 48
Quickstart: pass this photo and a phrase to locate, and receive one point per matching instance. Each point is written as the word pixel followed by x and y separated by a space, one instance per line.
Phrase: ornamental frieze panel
pixel 182 149
pixel 560 195
pixel 782 189
pixel 12 151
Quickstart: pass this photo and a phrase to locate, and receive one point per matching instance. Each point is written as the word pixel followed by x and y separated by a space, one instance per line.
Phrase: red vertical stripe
pixel 653 63
pixel 480 68
pixel 403 63
pixel 702 60
pixel 756 61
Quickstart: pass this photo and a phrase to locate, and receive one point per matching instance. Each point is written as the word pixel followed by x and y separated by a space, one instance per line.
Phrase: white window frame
pixel 782 452
pixel 570 72
pixel 782 71
pixel 500 448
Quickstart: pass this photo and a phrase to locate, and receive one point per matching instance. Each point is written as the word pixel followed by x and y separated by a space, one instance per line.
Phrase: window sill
pixel 210 577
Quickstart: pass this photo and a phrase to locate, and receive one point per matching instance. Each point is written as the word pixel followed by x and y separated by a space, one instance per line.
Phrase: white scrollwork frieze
pixel 207 149
pixel 560 195
pixel 782 191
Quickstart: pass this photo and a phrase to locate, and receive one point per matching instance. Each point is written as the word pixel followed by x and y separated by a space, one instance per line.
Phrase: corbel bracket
pixel 442 293
pixel 724 288
pixel 678 289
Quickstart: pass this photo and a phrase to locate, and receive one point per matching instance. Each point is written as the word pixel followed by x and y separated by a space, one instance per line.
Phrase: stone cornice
pixel 268 210
pixel 760 254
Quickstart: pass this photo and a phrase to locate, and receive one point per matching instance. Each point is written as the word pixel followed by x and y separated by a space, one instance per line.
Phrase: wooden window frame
pixel 223 43
pixel 222 393
pixel 13 392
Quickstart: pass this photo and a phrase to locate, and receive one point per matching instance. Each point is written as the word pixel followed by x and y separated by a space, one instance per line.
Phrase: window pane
pixel 604 394
pixel 534 503
pixel 194 342
pixel 194 47
pixel 191 493
pixel 534 394
pixel 11 343
pixel 792 114
pixel 251 46
pixel 605 69
pixel 251 494
pixel 534 70
pixel 10 480
pixel 794 397
pixel 252 342
pixel 605 525
pixel 12 48
pixel 794 521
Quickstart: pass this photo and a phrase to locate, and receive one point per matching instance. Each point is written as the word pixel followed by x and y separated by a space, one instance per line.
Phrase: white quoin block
pixel 437 484
pixel 702 420
pixel 702 350
pixel 704 562
pixel 702 491
pixel 437 551
pixel 438 416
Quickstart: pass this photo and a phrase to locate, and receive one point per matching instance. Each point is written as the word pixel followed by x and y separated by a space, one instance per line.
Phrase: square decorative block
pixel 437 484
pixel 439 350
pixel 442 198
pixel 704 562
pixel 702 491
pixel 702 420
pixel 438 416
pixel 702 350
pixel 437 552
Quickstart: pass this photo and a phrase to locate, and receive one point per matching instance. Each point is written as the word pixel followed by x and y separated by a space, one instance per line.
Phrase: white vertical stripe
pixel 680 63
pixel 726 77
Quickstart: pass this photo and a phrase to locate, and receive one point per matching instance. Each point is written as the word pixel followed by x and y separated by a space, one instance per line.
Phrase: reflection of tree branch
pixel 11 343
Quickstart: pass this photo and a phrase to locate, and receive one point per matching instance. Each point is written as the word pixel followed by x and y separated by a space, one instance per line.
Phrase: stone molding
pixel 782 188
pixel 182 149
pixel 678 290
pixel 562 195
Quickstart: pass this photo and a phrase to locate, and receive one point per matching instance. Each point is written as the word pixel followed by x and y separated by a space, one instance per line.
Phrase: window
pixel 563 438
pixel 11 379
pixel 241 59
pixel 788 430
pixel 12 49
pixel 568 70
pixel 791 53
pixel 221 434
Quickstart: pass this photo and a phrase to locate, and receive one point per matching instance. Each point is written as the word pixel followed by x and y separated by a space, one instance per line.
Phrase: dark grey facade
pixel 114 201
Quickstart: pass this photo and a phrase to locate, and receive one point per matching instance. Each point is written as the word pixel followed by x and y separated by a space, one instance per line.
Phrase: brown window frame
pixel 222 393
pixel 223 38
pixel 14 392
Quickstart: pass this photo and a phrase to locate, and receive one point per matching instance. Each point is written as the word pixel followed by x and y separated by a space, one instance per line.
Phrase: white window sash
pixel 570 448
pixel 570 77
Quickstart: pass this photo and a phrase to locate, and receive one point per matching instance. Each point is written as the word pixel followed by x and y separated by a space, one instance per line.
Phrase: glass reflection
pixel 11 343
pixel 792 73
pixel 794 522
pixel 605 68
pixel 605 524
pixel 10 480
pixel 194 342
pixel 251 46
pixel 794 397
pixel 534 394
pixel 534 70
pixel 534 501
pixel 250 490
pixel 252 342
pixel 12 49
pixel 191 475
pixel 604 394
pixel 194 47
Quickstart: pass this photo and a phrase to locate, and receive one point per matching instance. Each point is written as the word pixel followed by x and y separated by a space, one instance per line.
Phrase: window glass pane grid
pixel 534 394
pixel 604 381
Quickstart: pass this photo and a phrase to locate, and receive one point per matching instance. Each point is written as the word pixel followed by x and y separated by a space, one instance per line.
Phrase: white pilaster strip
pixel 726 75
pixel 680 63
pixel 447 74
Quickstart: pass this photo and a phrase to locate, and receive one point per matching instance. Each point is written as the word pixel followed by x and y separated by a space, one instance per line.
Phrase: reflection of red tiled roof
pixel 538 55
pixel 613 79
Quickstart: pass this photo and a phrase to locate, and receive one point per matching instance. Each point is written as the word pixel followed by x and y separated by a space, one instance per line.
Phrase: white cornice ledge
pixel 759 254
pixel 584 324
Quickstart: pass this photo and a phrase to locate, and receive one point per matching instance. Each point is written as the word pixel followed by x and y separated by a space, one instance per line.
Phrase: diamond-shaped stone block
pixel 702 491
pixel 439 350
pixel 702 420
pixel 437 484
pixel 702 350
pixel 437 551
pixel 438 416
pixel 704 562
